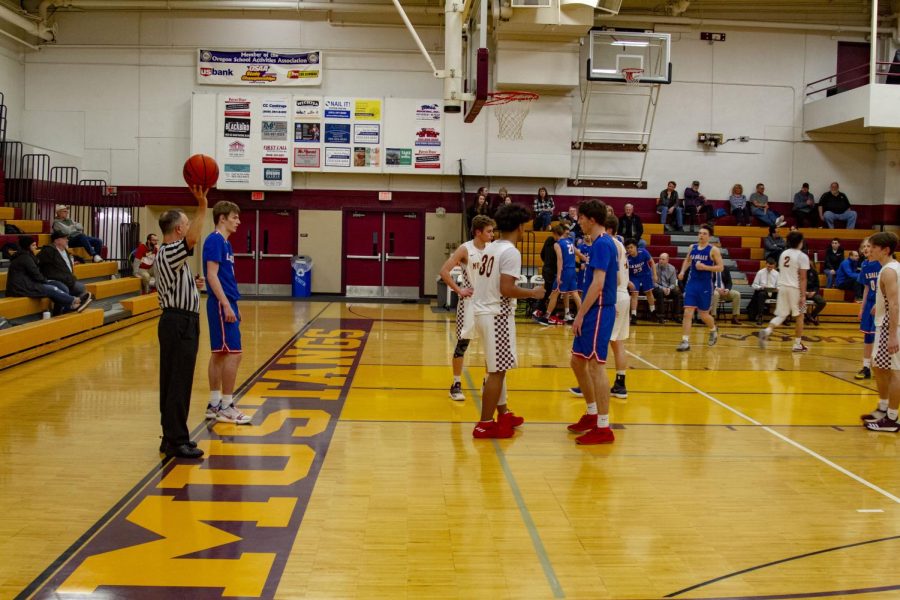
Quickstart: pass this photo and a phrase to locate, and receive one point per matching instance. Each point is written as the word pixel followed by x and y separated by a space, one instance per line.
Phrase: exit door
pixel 263 246
pixel 383 253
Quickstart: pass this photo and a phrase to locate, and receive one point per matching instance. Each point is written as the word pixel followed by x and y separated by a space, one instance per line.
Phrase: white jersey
pixel 622 276
pixel 790 263
pixel 500 257
pixel 882 301
pixel 473 257
pixel 465 319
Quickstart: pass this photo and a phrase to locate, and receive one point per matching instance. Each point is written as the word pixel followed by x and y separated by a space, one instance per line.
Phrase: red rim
pixel 630 73
pixel 495 98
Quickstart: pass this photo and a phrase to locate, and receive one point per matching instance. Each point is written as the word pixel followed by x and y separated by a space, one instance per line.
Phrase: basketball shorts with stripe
pixel 596 330
pixel 223 336
pixel 788 302
pixel 881 357
pixel 622 326
pixel 698 296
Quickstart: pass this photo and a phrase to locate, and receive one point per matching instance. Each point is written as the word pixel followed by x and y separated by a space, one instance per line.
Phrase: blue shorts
pixel 867 323
pixel 569 281
pixel 596 329
pixel 223 336
pixel 643 284
pixel 699 297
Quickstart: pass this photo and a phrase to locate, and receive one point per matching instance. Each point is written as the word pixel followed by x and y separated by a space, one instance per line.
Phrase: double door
pixel 263 246
pixel 383 253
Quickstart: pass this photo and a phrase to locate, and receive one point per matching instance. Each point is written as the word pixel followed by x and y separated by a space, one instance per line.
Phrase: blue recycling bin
pixel 301 280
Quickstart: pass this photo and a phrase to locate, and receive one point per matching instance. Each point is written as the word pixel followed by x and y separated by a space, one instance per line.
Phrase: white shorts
pixel 788 302
pixel 465 320
pixel 622 327
pixel 498 334
pixel 881 358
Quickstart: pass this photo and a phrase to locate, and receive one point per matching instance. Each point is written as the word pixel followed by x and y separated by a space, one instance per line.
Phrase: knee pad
pixel 461 347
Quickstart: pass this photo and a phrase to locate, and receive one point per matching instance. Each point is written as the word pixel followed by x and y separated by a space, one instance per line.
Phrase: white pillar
pixel 873 43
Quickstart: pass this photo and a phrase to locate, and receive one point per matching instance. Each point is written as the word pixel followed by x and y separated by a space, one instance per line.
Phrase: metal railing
pixel 889 72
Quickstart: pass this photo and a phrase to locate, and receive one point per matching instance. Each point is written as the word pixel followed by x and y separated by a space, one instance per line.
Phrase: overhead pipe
pixel 736 23
pixel 31 27
pixel 254 5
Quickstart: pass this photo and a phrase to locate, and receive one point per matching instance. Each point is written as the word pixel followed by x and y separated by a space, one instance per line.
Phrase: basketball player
pixel 494 307
pixel 565 282
pixel 642 276
pixel 703 260
pixel 868 278
pixel 223 315
pixel 887 335
pixel 582 252
pixel 593 327
pixel 793 265
pixel 467 257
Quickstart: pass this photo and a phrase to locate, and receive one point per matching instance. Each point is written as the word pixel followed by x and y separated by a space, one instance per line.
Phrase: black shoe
pixel 86 298
pixel 163 446
pixel 633 320
pixel 660 320
pixel 864 373
pixel 183 451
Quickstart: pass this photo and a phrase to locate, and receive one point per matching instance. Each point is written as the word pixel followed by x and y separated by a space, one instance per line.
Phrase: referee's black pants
pixel 179 338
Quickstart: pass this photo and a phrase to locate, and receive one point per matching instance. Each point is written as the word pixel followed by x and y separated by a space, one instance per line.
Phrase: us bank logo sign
pixel 224 526
pixel 260 68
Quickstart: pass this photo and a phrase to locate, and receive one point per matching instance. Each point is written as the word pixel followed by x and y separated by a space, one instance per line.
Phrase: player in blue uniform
pixel 641 277
pixel 593 327
pixel 703 260
pixel 223 315
pixel 566 279
pixel 868 278
pixel 582 253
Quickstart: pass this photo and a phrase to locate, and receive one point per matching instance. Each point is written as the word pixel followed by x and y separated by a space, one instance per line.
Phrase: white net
pixel 632 76
pixel 511 109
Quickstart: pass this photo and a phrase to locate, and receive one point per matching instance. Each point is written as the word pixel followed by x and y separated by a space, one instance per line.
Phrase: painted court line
pixel 768 429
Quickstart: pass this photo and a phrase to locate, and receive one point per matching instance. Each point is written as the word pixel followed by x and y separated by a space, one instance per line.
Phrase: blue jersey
pixel 585 249
pixel 605 257
pixel 639 266
pixel 567 247
pixel 868 277
pixel 700 278
pixel 217 249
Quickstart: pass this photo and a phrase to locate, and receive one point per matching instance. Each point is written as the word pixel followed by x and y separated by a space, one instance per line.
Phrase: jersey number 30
pixel 487 266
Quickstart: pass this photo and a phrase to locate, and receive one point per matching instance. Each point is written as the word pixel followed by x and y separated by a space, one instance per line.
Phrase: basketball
pixel 201 170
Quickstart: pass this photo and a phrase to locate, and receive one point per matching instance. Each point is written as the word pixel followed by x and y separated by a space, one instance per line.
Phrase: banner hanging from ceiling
pixel 261 68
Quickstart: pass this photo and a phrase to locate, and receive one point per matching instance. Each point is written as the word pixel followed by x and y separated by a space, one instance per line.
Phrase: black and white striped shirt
pixel 174 280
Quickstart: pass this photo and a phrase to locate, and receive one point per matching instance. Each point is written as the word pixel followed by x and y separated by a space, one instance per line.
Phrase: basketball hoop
pixel 632 76
pixel 510 108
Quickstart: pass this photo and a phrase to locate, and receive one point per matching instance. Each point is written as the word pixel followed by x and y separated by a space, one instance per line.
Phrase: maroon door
pixel 363 260
pixel 243 242
pixel 404 240
pixel 383 253
pixel 852 65
pixel 277 243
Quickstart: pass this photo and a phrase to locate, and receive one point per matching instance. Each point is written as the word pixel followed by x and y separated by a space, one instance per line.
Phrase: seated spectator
pixel 56 264
pixel 75 231
pixel 24 279
pixel 774 244
pixel 765 286
pixel 759 208
pixel 543 210
pixel 569 220
pixel 740 208
pixel 630 226
pixel 641 277
pixel 694 204
pixel 669 205
pixel 835 206
pixel 144 260
pixel 479 207
pixel 846 277
pixel 507 200
pixel 667 287
pixel 724 292
pixel 804 209
pixel 812 293
pixel 834 256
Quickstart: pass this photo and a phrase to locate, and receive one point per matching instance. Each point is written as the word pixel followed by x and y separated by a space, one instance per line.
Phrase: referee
pixel 179 325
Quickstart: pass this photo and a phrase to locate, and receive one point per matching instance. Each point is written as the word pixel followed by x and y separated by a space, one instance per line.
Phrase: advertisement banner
pixel 337 157
pixel 337 108
pixel 366 156
pixel 367 110
pixel 337 133
pixel 306 158
pixel 398 157
pixel 307 133
pixel 259 67
pixel 308 107
pixel 364 133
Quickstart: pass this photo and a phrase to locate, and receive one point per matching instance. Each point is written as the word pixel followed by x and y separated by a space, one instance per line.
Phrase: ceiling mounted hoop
pixel 511 108
pixel 632 76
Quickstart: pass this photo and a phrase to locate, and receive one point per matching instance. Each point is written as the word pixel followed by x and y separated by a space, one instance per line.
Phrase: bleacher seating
pixel 30 335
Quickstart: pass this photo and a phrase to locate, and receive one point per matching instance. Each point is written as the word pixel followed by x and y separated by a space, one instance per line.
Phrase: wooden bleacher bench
pixel 141 304
pixel 7 213
pixel 28 226
pixel 14 308
pixel 114 287
pixel 85 271
pixel 29 335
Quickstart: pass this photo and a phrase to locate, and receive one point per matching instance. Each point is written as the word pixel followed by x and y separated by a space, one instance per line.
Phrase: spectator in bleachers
pixel 774 244
pixel 694 204
pixel 835 206
pixel 669 205
pixel 75 231
pixel 24 279
pixel 569 220
pixel 724 292
pixel 641 277
pixel 667 287
pixel 760 209
pixel 144 260
pixel 812 293
pixel 480 207
pixel 630 226
pixel 740 207
pixel 805 246
pixel 543 210
pixel 765 286
pixel 834 256
pixel 846 277
pixel 804 209
pixel 56 264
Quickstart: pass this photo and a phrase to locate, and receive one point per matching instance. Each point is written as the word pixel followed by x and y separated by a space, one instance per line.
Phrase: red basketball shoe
pixel 597 435
pixel 584 424
pixel 510 419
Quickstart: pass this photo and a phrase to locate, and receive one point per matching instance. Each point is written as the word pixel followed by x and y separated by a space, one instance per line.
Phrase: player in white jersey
pixel 793 266
pixel 494 307
pixel 468 257
pixel 886 362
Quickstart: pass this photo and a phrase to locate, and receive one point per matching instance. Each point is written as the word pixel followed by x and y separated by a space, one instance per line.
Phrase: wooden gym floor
pixel 736 472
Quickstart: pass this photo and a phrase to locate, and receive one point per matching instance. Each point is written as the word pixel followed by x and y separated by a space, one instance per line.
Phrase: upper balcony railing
pixel 885 72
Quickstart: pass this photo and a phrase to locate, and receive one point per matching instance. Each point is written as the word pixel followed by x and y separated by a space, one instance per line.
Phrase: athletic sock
pixel 215 397
pixel 685 338
pixel 456 379
pixel 653 308
pixel 867 362
pixel 768 330
pixel 883 404
pixel 620 374
pixel 892 414
pixel 227 400
pixel 603 420
pixel 634 313
pixel 592 408
pixel 502 400
pixel 798 341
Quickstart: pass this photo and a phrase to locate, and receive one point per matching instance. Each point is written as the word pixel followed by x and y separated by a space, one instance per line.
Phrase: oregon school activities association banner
pixel 259 68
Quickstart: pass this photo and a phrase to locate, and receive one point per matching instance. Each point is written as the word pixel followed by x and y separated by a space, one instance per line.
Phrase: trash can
pixel 301 281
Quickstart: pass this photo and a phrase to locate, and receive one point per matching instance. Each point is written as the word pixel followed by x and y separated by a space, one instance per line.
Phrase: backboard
pixel 476 55
pixel 609 52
